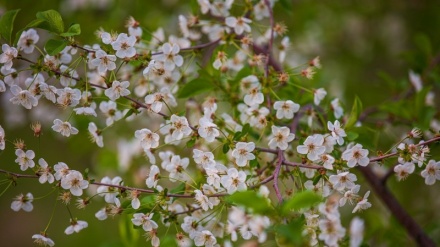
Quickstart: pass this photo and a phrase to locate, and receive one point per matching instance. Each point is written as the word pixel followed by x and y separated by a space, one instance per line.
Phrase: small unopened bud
pixel 19 144
pixel 36 128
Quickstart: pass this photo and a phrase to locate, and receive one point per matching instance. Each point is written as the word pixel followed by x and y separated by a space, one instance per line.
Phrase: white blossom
pixel 207 130
pixel 281 137
pixel 356 155
pixel 45 172
pixel 144 220
pixel 103 61
pixel 431 172
pixel 343 180
pixel 123 46
pixel 64 128
pixel 43 240
pixel 313 147
pixel 148 139
pixel 23 202
pixel 75 226
pixel 243 153
pixel 240 24
pixel 25 159
pixel 285 109
pixel 234 180
pixel 9 53
pixel 117 90
pixel 27 41
pixel 337 132
pixel 74 182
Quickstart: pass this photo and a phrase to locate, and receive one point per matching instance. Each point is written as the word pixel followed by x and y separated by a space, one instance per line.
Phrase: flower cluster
pixel 245 133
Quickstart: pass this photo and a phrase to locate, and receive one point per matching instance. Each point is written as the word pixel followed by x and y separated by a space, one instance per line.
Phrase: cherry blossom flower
pixel 337 132
pixel 349 195
pixel 240 24
pixel 356 232
pixel 45 172
pixel 254 97
pixel 331 231
pixel 343 180
pixel 234 180
pixel 338 111
pixel 205 159
pixel 25 159
pixel 177 167
pixel 27 41
pixel 170 56
pixel 123 46
pixel 68 96
pixel 403 170
pixel 67 75
pixel 117 90
pixel 153 177
pixel 327 161
pixel 9 53
pixel 191 226
pixel 261 10
pixel 111 112
pixel 313 147
pixel 243 153
pixel 220 60
pixel 75 226
pixel 42 239
pixel 64 128
pixel 362 204
pixel 144 220
pixel 23 97
pixel 204 6
pixel 203 200
pixel 204 238
pixel 23 202
pixel 431 172
pixel 74 182
pixel 103 61
pixel 319 95
pixel 285 109
pixel 207 130
pixel 108 192
pixel 95 135
pixel 155 101
pixel 356 155
pixel 61 170
pixel 181 127
pixel 2 138
pixel 281 137
pixel 148 139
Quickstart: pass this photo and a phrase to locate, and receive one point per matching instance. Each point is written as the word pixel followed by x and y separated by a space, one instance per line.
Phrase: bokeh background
pixel 367 49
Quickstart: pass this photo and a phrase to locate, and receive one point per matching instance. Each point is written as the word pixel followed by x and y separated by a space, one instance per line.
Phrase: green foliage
pixel 73 30
pixel 128 234
pixel 195 87
pixel 301 200
pixel 7 24
pixel 355 113
pixel 290 234
pixel 54 46
pixel 250 200
pixel 51 21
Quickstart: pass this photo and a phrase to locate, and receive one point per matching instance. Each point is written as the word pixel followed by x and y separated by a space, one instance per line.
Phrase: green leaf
pixel 128 234
pixel 54 47
pixel 52 21
pixel 290 234
pixel 253 163
pixel 7 24
pixel 226 148
pixel 316 180
pixel 179 189
pixel 73 30
pixel 195 87
pixel 251 200
pixel 191 143
pixel 351 136
pixel 300 200
pixel 355 112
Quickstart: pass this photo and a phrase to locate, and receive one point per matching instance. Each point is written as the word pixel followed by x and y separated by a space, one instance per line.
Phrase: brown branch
pixel 276 174
pixel 294 164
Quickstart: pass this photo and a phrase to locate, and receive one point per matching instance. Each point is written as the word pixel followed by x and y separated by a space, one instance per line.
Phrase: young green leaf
pixel 52 21
pixel 54 47
pixel 300 200
pixel 355 113
pixel 251 200
pixel 7 24
pixel 73 30
pixel 195 87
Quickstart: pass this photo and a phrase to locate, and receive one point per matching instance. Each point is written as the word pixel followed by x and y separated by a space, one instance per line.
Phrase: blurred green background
pixel 366 47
